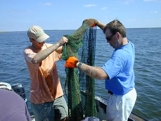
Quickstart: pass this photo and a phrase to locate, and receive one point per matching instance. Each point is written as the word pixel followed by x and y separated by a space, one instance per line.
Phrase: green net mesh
pixel 81 44
pixel 88 83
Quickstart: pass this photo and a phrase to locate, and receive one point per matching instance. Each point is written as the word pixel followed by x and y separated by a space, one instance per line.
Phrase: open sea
pixel 147 67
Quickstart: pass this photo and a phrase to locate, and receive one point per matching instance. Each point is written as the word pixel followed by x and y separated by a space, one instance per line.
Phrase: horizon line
pixel 76 29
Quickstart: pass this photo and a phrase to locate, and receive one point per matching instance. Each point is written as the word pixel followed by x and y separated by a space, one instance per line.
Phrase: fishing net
pixel 81 44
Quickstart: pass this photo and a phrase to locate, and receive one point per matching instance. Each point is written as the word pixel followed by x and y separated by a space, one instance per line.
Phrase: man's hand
pixel 91 22
pixel 71 62
pixel 63 40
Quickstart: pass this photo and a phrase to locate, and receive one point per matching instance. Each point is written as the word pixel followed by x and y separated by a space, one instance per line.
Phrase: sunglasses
pixel 110 37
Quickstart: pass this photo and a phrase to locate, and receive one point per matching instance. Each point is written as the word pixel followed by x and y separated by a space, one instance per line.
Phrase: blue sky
pixel 19 15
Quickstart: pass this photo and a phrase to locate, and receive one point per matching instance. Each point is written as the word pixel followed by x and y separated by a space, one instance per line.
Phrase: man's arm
pixel 94 72
pixel 44 53
pixel 100 25
pixel 95 22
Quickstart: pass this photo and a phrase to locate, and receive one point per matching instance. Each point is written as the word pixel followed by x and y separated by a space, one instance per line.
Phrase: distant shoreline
pixel 76 29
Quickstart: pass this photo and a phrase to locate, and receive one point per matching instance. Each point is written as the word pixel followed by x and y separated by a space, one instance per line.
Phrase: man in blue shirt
pixel 117 72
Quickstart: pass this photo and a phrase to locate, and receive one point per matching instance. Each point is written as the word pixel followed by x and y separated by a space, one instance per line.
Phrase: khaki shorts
pixel 60 107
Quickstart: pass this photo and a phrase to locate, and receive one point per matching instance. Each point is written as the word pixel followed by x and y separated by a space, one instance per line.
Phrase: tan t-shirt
pixel 45 84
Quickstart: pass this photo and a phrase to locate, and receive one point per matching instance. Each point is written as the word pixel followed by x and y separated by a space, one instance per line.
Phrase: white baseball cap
pixel 4 85
pixel 37 33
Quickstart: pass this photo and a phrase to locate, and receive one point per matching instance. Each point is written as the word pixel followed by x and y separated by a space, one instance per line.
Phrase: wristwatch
pixel 79 64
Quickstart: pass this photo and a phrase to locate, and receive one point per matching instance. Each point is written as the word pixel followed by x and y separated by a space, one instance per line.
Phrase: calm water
pixel 147 65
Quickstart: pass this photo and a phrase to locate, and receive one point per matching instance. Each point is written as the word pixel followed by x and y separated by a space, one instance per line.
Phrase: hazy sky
pixel 19 15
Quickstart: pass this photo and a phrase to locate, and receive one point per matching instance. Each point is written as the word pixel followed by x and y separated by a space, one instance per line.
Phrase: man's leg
pixel 119 108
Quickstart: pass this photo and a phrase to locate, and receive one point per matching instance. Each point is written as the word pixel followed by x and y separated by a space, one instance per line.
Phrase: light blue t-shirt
pixel 120 70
